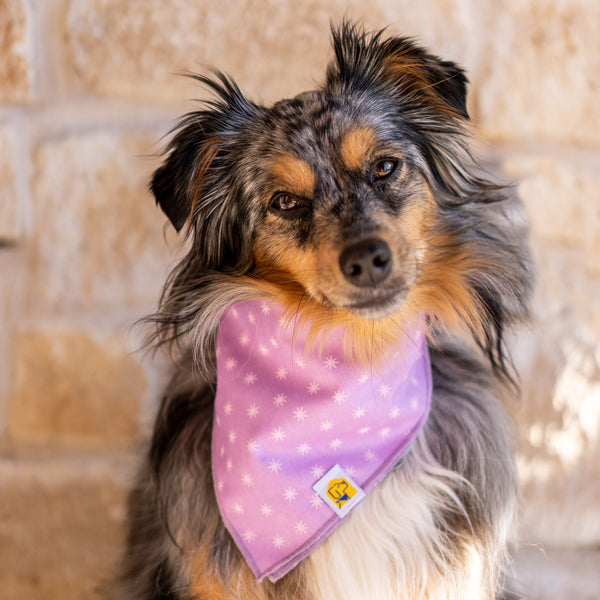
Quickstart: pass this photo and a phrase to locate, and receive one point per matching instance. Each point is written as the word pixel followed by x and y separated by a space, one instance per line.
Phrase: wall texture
pixel 87 89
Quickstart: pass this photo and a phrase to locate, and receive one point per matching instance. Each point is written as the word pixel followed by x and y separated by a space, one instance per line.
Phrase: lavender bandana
pixel 300 437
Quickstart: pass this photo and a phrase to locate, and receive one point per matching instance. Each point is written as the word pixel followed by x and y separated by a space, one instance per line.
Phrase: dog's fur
pixel 270 199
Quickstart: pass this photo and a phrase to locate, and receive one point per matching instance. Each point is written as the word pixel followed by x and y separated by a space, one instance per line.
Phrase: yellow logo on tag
pixel 340 491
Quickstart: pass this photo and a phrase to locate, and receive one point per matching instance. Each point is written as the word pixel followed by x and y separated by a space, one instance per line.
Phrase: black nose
pixel 366 263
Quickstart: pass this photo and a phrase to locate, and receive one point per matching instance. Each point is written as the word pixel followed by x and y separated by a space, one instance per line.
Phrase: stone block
pixel 74 388
pixel 15 50
pixel 61 528
pixel 9 204
pixel 135 50
pixel 97 237
pixel 540 71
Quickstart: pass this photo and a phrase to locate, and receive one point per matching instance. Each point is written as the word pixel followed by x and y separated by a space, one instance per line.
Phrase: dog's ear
pixel 201 136
pixel 399 65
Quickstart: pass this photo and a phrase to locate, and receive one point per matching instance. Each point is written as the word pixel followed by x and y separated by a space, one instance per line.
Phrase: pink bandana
pixel 300 437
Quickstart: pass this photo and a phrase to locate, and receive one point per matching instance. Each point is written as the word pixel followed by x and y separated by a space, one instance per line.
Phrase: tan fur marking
pixel 357 146
pixel 294 174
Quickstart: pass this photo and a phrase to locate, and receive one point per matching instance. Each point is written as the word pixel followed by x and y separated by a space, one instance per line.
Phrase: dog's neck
pixel 300 434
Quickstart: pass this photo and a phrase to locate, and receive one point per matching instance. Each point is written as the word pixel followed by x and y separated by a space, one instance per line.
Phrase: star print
pixel 370 456
pixel 238 509
pixel 281 373
pixel 326 425
pixel 363 378
pixel 232 436
pixel 340 396
pixel 274 342
pixel 244 340
pixel 300 363
pixel 265 308
pixel 359 413
pixel 220 486
pixel 247 480
pixel 364 430
pixel 278 541
pixel 350 470
pixel 303 448
pixel 278 434
pixel 229 464
pixel 251 318
pixel 335 444
pixel 228 408
pixel 384 433
pixel 252 446
pixel 301 527
pixel 313 388
pixel 266 510
pixel 263 350
pixel 250 378
pixel 317 472
pixel 249 535
pixel 300 414
pixel 231 364
pixel 395 413
pixel 290 494
pixel 384 390
pixel 331 362
pixel 316 501
pixel 274 466
pixel 280 400
pixel 252 411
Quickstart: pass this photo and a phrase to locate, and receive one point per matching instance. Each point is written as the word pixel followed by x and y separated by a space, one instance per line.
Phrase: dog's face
pixel 359 200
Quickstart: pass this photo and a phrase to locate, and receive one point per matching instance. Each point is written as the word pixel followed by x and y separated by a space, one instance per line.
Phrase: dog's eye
pixel 384 168
pixel 288 205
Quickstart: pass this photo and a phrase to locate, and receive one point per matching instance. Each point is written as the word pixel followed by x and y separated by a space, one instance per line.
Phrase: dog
pixel 358 216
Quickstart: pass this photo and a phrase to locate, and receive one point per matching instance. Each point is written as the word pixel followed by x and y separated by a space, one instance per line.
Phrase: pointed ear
pixel 190 156
pixel 199 138
pixel 398 65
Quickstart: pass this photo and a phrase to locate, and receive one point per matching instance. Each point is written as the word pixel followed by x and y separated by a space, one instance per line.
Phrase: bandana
pixel 300 436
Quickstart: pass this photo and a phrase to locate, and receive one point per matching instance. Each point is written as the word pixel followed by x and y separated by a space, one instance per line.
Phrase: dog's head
pixel 359 198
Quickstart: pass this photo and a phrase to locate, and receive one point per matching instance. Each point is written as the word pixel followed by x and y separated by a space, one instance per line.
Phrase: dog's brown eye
pixel 384 168
pixel 284 202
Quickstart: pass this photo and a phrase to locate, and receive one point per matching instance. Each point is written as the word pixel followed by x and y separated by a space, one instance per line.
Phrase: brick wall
pixel 88 87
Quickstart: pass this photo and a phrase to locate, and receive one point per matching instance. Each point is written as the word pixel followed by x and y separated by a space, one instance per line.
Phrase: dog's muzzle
pixel 366 263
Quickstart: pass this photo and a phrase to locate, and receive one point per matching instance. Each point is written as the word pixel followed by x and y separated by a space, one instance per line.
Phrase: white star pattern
pixel 384 390
pixel 252 446
pixel 331 362
pixel 253 411
pixel 249 535
pixel 359 413
pixel 238 509
pixel 340 396
pixel 317 471
pixel 250 378
pixel 280 400
pixel 247 480
pixel 278 541
pixel 370 456
pixel 364 430
pixel 395 413
pixel 266 510
pixel 228 408
pixel 281 373
pixel 363 378
pixel 335 444
pixel 303 448
pixel 274 342
pixel 232 436
pixel 326 425
pixel 313 388
pixel 316 501
pixel 300 363
pixel 300 414
pixel 384 433
pixel 301 527
pixel 290 494
pixel 350 470
pixel 263 350
pixel 251 318
pixel 230 364
pixel 229 465
pixel 274 466
pixel 265 308
pixel 244 340
pixel 278 434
